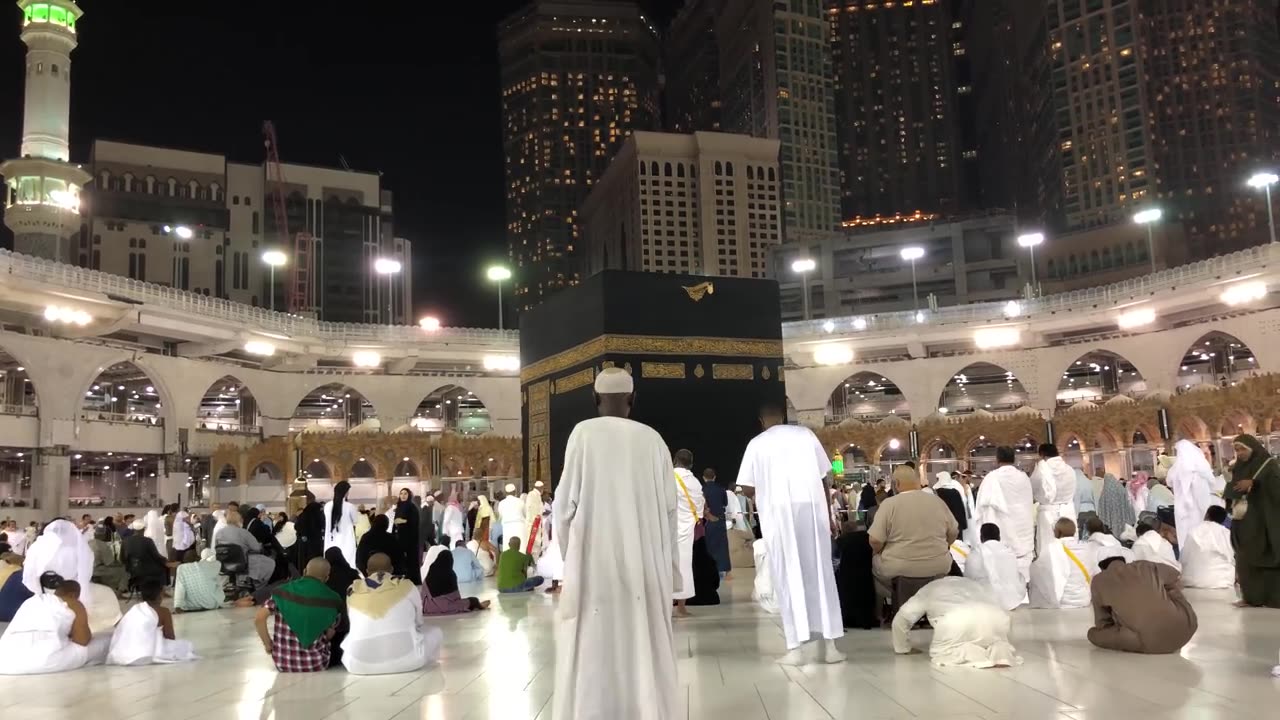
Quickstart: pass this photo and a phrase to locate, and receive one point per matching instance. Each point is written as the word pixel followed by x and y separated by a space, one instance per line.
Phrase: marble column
pixel 51 481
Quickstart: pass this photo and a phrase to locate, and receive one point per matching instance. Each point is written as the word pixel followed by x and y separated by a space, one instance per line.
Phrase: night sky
pixel 408 89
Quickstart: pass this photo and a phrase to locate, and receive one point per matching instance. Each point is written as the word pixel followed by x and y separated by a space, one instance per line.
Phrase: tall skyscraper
pixel 897 91
pixel 1008 50
pixel 691 68
pixel 577 78
pixel 1214 94
pixel 42 187
pixel 775 79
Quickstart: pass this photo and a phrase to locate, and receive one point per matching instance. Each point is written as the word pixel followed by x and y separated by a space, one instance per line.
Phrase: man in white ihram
pixel 511 515
pixel 787 471
pixel 615 524
pixel 1005 500
pixel 1053 483
pixel 688 493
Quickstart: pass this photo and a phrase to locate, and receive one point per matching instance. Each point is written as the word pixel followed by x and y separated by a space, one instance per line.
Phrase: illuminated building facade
pixel 42 187
pixel 898 86
pixel 577 77
pixel 775 80
pixel 706 203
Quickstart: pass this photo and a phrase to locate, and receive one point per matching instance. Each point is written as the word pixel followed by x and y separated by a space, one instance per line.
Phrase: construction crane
pixel 302 263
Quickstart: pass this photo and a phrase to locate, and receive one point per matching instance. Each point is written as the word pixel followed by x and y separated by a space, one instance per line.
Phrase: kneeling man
pixel 1061 576
pixel 969 628
pixel 1139 607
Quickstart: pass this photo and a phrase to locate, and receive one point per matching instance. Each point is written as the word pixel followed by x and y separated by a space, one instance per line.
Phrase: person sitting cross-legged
pixel 199 584
pixel 465 565
pixel 513 566
pixel 303 615
pixel 1208 560
pixel 440 594
pixel 50 632
pixel 1061 575
pixel 145 634
pixel 994 565
pixel 387 634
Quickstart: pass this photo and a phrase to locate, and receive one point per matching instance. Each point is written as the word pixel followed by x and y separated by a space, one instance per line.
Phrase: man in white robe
pixel 1098 535
pixel 511 515
pixel 50 633
pixel 1053 485
pixel 787 470
pixel 1153 547
pixel 1061 575
pixel 688 494
pixel 960 551
pixel 139 638
pixel 1005 500
pixel 1208 560
pixel 388 634
pixel 969 628
pixel 1192 480
pixel 615 524
pixel 994 565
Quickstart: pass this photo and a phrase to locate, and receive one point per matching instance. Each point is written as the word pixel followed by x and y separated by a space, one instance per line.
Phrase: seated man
pixel 1208 560
pixel 969 629
pixel 304 615
pixel 1138 607
pixel 50 632
pixel 1060 577
pixel 12 592
pixel 145 635
pixel 911 535
pixel 1099 534
pixel 199 584
pixel 465 564
pixel 513 567
pixel 107 569
pixel 140 557
pixel 993 565
pixel 387 632
pixel 1153 547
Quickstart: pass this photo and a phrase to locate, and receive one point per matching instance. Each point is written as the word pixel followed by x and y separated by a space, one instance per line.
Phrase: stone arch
pixel 455 408
pixel 1237 421
pixel 1216 357
pixel 867 396
pixel 332 406
pixel 273 473
pixel 995 389
pixel 124 390
pixel 227 475
pixel 20 397
pixel 1192 427
pixel 365 467
pixel 405 468
pixel 317 469
pixel 228 404
pixel 1098 375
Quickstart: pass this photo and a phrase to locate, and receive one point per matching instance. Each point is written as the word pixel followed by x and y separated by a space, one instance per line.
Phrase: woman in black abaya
pixel 406 535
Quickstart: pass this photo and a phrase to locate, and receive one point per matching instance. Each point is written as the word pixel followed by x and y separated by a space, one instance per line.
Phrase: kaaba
pixel 705 354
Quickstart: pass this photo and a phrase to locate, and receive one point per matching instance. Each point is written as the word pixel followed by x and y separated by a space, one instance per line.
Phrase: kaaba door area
pixel 704 352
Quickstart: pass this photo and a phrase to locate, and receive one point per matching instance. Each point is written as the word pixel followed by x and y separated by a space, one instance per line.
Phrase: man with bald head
pixel 304 615
pixel 615 524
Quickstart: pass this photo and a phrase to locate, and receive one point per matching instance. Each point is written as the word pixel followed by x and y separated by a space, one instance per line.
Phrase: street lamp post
pixel 497 274
pixel 1265 180
pixel 1149 218
pixel 911 255
pixel 182 232
pixel 804 266
pixel 273 259
pixel 387 267
pixel 1030 241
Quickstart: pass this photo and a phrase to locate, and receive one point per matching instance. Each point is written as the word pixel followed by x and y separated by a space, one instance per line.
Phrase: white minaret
pixel 42 188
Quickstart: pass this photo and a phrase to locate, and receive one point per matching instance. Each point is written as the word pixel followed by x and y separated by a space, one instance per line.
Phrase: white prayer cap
pixel 538 484
pixel 138 525
pixel 1111 551
pixel 510 488
pixel 614 381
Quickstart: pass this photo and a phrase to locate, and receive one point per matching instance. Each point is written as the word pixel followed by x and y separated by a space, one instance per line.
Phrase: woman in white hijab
pixel 154 522
pixel 62 549
pixel 1191 479
pixel 184 536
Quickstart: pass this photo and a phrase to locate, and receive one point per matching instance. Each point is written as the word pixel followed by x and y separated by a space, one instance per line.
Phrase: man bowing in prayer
pixel 787 471
pixel 615 653
pixel 1139 607
pixel 688 494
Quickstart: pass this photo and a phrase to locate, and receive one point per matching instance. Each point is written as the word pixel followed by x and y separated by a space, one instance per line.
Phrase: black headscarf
pixel 406 535
pixel 441 579
pixel 377 539
pixel 1249 468
pixel 341 574
pixel 339 494
pixel 310 529
pixel 868 499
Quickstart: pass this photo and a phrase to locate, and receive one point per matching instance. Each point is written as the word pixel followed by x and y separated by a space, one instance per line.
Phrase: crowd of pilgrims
pixel 339 585
pixel 335 585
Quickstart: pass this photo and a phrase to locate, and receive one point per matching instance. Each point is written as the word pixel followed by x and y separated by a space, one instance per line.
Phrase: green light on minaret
pixel 50 13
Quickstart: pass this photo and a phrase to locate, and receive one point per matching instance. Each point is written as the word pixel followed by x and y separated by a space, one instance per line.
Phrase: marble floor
pixel 499 665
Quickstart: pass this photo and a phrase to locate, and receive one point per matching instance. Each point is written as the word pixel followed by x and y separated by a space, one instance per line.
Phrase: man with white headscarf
pixel 615 524
pixel 1053 484
pixel 62 549
pixel 511 513
pixel 1191 480
pixel 154 529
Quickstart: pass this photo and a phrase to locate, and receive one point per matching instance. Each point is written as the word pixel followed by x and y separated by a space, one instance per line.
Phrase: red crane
pixel 302 269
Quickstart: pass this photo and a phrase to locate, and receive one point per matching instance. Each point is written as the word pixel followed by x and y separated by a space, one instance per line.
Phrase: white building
pixel 706 203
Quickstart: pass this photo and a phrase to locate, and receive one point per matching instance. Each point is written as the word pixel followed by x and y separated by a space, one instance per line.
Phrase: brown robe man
pixel 1139 607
